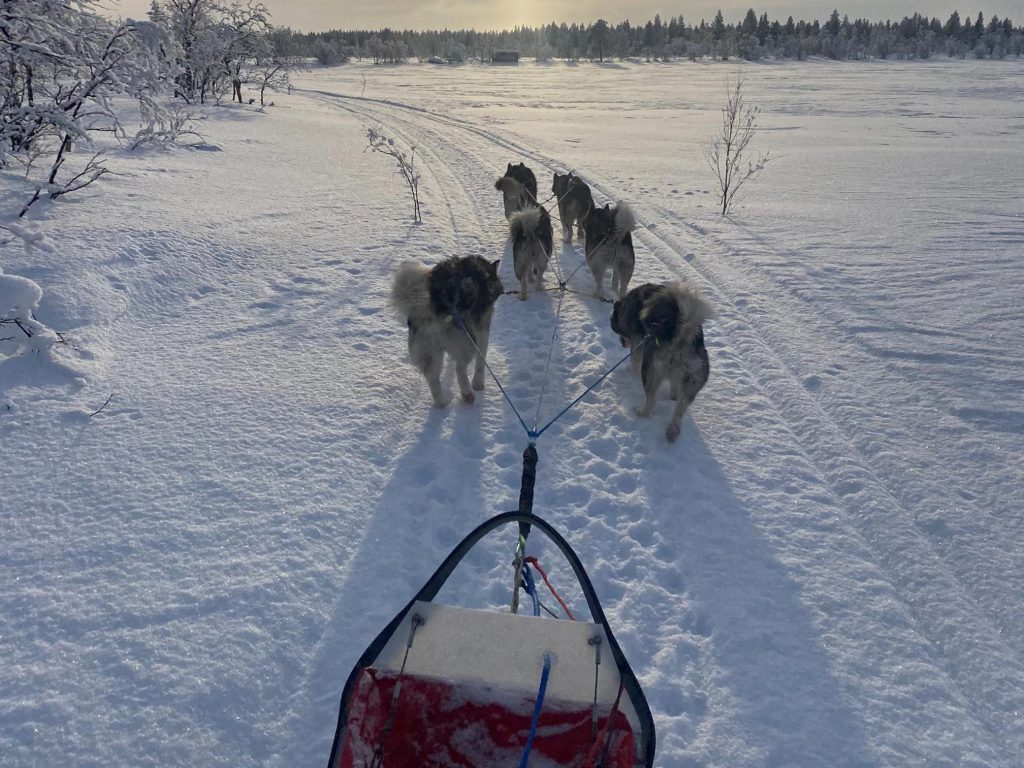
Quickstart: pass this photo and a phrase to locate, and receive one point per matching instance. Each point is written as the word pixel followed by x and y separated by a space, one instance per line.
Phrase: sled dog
pixel 574 200
pixel 530 231
pixel 609 245
pixel 519 188
pixel 440 305
pixel 671 318
pixel 524 176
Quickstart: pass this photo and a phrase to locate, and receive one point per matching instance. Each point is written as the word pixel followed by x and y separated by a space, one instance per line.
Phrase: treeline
pixel 754 37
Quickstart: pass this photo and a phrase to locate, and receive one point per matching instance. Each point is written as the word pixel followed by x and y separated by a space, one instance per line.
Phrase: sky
pixel 314 15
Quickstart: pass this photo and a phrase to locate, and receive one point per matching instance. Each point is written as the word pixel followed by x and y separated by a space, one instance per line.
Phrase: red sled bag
pixel 450 687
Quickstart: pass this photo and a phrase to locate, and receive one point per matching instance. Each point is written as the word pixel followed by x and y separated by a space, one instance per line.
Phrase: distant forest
pixel 752 38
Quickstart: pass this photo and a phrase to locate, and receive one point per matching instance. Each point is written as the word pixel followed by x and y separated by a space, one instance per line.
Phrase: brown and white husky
pixel 448 309
pixel 609 245
pixel 668 320
pixel 530 231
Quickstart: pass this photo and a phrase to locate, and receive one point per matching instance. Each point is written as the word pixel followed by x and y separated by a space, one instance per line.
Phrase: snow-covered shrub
pixel 216 41
pixel 62 63
pixel 20 332
pixel 163 125
pixel 327 54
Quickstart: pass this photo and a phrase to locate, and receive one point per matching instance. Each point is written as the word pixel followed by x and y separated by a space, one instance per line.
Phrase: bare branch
pixel 729 155
pixel 102 406
pixel 406 165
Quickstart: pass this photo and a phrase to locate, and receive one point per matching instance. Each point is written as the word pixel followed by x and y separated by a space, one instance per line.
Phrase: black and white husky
pixel 448 309
pixel 671 319
pixel 609 245
pixel 518 187
pixel 574 201
pixel 530 231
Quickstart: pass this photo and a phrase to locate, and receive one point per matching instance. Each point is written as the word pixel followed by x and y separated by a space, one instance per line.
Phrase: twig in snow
pixel 102 406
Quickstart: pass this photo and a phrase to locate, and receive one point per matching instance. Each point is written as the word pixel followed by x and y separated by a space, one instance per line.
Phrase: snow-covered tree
pixel 217 42
pixel 60 63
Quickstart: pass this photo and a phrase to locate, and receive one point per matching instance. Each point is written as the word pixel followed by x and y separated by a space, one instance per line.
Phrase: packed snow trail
pixel 866 506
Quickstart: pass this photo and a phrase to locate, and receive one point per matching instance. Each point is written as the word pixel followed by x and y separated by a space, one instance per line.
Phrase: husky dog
pixel 530 231
pixel 524 176
pixel 519 187
pixel 670 318
pixel 443 307
pixel 609 244
pixel 574 200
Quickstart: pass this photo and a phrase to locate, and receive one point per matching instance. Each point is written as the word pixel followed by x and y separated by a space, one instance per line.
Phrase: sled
pixel 462 688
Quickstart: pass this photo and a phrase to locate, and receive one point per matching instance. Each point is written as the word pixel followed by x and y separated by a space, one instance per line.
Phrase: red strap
pixel 533 561
pixel 602 737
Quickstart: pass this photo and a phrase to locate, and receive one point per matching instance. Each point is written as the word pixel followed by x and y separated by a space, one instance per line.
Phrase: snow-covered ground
pixel 826 569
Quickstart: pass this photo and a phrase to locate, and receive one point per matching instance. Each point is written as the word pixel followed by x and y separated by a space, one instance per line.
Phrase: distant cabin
pixel 505 57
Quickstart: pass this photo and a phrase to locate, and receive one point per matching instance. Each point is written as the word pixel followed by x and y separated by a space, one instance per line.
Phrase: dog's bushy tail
pixel 410 293
pixel 694 309
pixel 625 220
pixel 508 184
pixel 524 221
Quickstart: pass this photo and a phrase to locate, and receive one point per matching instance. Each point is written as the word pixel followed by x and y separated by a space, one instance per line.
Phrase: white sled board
pixel 507 651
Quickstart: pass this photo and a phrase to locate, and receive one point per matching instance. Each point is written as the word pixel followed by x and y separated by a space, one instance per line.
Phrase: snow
pixel 825 570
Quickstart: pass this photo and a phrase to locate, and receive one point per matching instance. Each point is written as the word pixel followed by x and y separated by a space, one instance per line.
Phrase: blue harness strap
pixel 525 759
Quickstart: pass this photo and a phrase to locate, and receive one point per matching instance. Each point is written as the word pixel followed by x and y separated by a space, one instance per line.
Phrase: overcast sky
pixel 314 15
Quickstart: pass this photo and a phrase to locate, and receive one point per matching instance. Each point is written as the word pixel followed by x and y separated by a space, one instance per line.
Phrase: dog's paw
pixel 478 384
pixel 672 432
pixel 641 411
pixel 440 404
pixel 468 398
pixel 523 296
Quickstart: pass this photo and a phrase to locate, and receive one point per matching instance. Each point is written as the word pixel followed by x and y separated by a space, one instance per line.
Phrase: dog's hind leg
pixel 651 379
pixel 625 263
pixel 636 358
pixel 482 339
pixel 431 367
pixel 462 374
pixel 598 272
pixel 686 390
pixel 651 400
pixel 682 403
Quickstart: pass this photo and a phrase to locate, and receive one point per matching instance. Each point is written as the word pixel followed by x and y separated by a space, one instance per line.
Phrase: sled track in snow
pixel 975 653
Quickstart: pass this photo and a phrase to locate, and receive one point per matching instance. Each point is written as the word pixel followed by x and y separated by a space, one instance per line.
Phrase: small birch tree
pixel 406 165
pixel 729 156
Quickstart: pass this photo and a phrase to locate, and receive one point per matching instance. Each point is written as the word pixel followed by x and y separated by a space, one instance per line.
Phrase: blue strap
pixel 589 389
pixel 530 587
pixel 525 759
